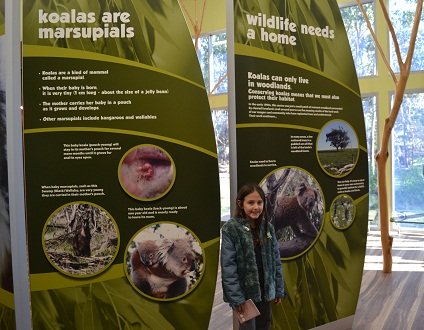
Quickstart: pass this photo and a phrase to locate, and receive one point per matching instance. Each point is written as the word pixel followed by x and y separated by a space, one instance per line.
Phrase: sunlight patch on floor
pixel 409 242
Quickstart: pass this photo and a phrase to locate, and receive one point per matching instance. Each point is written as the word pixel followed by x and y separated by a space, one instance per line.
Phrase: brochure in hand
pixel 249 312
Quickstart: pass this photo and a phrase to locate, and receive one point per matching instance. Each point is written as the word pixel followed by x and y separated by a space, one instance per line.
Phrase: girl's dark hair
pixel 245 190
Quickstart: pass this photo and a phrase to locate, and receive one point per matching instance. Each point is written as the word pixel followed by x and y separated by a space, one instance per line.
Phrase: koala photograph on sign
pixel 164 261
pixel 295 207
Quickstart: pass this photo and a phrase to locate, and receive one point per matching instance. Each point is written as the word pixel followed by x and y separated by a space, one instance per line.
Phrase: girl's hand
pixel 277 301
pixel 240 308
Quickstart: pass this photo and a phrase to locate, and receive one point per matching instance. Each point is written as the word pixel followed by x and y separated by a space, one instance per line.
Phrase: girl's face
pixel 253 206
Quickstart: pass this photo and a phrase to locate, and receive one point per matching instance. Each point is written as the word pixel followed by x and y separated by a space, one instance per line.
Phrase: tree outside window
pixel 220 122
pixel 408 159
pixel 360 40
pixel 203 56
pixel 402 14
pixel 218 76
pixel 369 104
pixel 212 54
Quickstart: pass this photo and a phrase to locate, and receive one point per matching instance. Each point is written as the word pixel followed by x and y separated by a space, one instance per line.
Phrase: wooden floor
pixel 393 301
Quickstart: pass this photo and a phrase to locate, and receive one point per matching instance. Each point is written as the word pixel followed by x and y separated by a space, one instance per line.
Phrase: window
pixel 402 15
pixel 408 160
pixel 203 56
pixel 360 39
pixel 212 54
pixel 220 122
pixel 369 104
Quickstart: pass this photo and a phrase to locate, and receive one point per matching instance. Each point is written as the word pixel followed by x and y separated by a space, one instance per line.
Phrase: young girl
pixel 250 261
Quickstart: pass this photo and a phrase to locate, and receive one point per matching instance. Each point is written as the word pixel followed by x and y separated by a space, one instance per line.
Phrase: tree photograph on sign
pixel 337 148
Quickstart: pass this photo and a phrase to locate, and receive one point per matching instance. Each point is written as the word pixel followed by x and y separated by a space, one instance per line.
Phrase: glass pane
pixel 370 114
pixel 360 40
pixel 402 15
pixel 408 161
pixel 220 121
pixel 219 81
pixel 203 56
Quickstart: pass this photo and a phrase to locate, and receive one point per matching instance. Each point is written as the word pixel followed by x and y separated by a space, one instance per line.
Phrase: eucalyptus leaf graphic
pixel 141 42
pixel 284 316
pixel 314 283
pixel 324 285
pixel 115 304
pixel 7 317
pixel 2 21
pixel 308 16
pixel 159 30
pixel 47 315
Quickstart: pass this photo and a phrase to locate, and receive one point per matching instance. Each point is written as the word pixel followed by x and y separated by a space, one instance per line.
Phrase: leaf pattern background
pixel 115 304
pixel 323 285
pixel 2 13
pixel 316 52
pixel 162 25
pixel 7 318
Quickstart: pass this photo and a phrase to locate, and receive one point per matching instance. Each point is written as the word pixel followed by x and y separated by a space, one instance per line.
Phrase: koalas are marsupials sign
pixel 78 25
pixel 111 90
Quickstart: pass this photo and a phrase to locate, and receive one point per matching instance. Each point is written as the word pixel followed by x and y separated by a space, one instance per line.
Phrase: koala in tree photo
pixel 294 211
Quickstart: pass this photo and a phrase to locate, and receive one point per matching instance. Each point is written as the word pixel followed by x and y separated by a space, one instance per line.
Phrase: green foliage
pixel 409 192
pixel 219 57
pixel 402 15
pixel 370 116
pixel 212 54
pixel 373 189
pixel 360 39
pixel 338 138
pixel 408 154
pixel 7 318
pixel 203 53
pixel 220 121
pixel 110 305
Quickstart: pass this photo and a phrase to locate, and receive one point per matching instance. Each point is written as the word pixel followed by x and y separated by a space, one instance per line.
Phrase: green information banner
pixel 120 167
pixel 300 133
pixel 7 306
